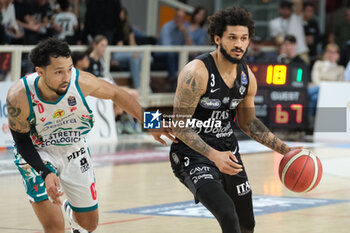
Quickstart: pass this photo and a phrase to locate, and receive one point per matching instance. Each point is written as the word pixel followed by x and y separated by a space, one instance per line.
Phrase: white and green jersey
pixel 58 131
pixel 61 123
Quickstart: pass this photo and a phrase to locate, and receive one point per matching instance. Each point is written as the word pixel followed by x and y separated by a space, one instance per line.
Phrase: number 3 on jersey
pixel 212 80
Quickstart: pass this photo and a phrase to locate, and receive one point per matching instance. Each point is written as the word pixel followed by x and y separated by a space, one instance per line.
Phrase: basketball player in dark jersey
pixel 212 90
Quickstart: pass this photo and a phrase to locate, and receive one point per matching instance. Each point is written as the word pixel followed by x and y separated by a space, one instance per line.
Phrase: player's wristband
pixel 44 173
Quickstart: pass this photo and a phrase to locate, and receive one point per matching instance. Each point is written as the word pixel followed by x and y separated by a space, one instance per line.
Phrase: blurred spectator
pixel 345 54
pixel 96 50
pixel 142 38
pixel 290 22
pixel 131 59
pixel 288 51
pixel 198 33
pixel 102 17
pixel 66 23
pixel 347 72
pixel 175 32
pixel 311 29
pixel 34 17
pixel 289 57
pixel 79 10
pixel 341 32
pixel 255 53
pixel 326 69
pixel 125 122
pixel 30 27
pixel 80 60
pixel 12 31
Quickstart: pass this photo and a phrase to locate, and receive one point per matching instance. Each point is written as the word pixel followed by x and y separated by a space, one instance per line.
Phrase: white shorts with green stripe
pixel 72 164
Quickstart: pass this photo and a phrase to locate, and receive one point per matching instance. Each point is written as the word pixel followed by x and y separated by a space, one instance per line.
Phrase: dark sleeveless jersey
pixel 218 104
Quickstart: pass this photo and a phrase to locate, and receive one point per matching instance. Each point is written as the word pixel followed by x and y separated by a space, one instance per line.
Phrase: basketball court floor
pixel 138 192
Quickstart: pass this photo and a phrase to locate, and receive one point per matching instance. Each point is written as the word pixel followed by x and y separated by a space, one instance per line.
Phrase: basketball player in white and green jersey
pixel 49 119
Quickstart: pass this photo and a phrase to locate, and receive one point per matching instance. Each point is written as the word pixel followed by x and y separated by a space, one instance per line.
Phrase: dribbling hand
pixel 157 133
pixel 53 187
pixel 226 161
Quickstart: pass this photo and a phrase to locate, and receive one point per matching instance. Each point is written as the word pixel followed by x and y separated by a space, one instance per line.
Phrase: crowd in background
pixel 295 33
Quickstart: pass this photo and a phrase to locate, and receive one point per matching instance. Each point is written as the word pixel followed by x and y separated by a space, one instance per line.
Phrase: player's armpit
pixel 191 86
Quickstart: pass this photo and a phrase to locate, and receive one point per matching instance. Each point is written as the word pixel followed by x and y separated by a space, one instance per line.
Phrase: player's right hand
pixel 226 161
pixel 53 187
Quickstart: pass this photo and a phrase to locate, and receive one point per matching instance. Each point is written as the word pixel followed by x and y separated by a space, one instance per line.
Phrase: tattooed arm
pixel 192 84
pixel 18 113
pixel 252 126
pixel 18 108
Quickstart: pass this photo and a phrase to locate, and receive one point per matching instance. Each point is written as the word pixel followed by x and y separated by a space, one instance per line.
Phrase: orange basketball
pixel 300 170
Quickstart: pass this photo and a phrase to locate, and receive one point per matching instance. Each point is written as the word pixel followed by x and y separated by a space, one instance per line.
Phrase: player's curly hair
pixel 51 47
pixel 233 16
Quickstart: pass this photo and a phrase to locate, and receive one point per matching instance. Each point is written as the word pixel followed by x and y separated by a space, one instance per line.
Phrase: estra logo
pixel 59 113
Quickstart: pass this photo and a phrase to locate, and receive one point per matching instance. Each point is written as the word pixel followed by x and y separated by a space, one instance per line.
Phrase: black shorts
pixel 193 173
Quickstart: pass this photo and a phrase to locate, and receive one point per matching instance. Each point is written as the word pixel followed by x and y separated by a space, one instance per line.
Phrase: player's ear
pixel 217 39
pixel 39 70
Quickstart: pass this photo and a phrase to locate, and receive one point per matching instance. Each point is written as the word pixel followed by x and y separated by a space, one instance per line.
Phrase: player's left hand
pixel 166 132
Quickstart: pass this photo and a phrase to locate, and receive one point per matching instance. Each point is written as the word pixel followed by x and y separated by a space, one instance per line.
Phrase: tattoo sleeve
pixel 259 132
pixel 15 120
pixel 186 99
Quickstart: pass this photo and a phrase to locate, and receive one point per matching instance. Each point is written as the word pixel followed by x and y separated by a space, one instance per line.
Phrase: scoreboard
pixel 281 99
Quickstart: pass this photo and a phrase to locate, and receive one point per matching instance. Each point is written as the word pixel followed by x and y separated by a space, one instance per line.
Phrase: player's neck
pixel 223 65
pixel 45 92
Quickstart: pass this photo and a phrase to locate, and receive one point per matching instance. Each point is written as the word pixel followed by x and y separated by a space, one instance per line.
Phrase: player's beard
pixel 229 58
pixel 59 92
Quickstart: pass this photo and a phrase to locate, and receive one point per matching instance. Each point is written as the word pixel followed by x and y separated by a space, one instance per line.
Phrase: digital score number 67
pixel 282 116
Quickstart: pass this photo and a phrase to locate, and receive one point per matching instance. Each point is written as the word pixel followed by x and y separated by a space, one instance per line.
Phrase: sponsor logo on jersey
pixel 225 100
pixel 234 103
pixel 205 102
pixel 43 119
pixel 244 80
pixel 242 90
pixel 76 154
pixel 72 101
pixel 175 158
pixel 199 173
pixel 199 170
pixel 61 136
pixel 58 124
pixel 48 123
pixel 214 90
pixel 84 165
pixel 86 117
pixel 151 120
pixel 243 189
pixel 59 113
pixel 72 109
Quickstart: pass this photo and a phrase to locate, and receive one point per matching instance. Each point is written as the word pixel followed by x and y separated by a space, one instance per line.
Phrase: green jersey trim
pixel 31 113
pixel 80 92
pixel 83 209
pixel 38 94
